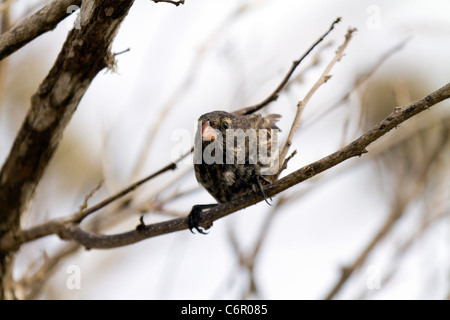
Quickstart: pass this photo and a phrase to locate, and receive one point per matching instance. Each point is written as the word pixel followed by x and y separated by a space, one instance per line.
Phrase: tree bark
pixel 85 52
pixel 43 20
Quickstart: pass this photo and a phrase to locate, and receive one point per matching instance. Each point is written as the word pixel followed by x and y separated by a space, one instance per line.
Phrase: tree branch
pixel 44 20
pixel 71 231
pixel 403 199
pixel 78 217
pixel 325 76
pixel 176 3
pixel 85 52
pixel 275 94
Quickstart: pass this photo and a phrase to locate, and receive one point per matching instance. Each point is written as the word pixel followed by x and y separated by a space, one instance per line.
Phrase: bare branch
pixel 176 3
pixel 185 85
pixel 32 285
pixel 301 105
pixel 5 5
pixel 54 225
pixel 274 95
pixel 90 195
pixel 44 20
pixel 72 231
pixel 4 26
pixel 84 213
pixel 54 103
pixel 248 110
pixel 403 248
pixel 358 81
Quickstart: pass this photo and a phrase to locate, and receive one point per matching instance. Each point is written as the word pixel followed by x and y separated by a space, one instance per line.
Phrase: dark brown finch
pixel 229 162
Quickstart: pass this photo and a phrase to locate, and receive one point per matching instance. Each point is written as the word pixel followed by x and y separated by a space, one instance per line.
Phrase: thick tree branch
pixel 72 231
pixel 275 94
pixel 85 52
pixel 44 20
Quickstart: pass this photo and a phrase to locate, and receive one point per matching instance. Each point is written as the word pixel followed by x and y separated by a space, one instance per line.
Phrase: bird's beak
pixel 208 132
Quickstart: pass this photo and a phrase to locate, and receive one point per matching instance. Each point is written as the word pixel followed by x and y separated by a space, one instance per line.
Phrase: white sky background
pixel 311 239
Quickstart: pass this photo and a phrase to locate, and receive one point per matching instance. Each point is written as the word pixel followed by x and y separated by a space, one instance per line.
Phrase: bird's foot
pixel 194 218
pixel 261 189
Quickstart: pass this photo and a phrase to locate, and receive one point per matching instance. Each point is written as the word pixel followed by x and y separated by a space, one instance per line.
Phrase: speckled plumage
pixel 225 181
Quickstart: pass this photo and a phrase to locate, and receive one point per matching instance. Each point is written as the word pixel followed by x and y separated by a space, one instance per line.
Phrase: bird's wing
pixel 268 122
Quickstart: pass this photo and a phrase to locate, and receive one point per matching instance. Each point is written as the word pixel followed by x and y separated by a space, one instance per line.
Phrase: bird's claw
pixel 194 219
pixel 261 189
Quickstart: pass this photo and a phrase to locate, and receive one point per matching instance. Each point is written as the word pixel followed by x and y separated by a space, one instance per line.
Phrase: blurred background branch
pixel 43 20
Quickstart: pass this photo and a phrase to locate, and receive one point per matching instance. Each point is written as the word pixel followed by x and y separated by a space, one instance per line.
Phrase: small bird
pixel 231 156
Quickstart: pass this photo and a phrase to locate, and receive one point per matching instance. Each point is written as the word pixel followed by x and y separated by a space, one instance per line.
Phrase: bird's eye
pixel 225 125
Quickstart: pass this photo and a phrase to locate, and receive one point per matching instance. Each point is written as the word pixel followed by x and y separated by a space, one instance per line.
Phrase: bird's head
pixel 215 124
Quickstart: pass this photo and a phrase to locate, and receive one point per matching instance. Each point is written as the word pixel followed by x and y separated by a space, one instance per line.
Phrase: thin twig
pixel 275 94
pixel 285 162
pixel 5 5
pixel 358 81
pixel 115 54
pixel 185 85
pixel 176 3
pixel 325 76
pixel 89 196
pixel 69 230
pixel 84 213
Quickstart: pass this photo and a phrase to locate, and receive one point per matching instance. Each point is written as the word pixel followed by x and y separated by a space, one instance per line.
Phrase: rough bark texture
pixel 44 20
pixel 86 51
